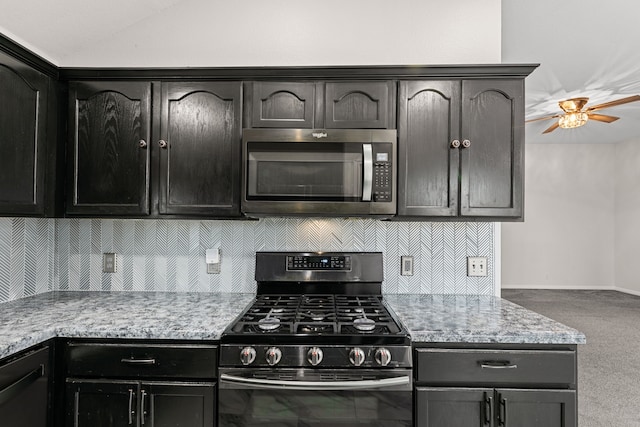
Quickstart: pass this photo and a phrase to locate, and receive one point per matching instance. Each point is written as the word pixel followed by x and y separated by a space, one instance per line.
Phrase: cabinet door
pixel 359 105
pixel 492 166
pixel 534 408
pixel 428 165
pixel 108 153
pixel 200 153
pixel 454 407
pixel 179 405
pixel 282 105
pixel 102 403
pixel 23 135
pixel 24 388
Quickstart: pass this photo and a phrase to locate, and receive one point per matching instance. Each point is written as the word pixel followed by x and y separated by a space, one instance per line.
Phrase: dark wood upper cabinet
pixel 359 105
pixel 182 159
pixel 428 167
pixel 491 179
pixel 282 104
pixel 24 97
pixel 200 148
pixel 461 148
pixel 329 105
pixel 109 127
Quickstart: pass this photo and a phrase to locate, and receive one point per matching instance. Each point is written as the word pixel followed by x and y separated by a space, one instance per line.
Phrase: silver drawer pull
pixel 498 364
pixel 139 361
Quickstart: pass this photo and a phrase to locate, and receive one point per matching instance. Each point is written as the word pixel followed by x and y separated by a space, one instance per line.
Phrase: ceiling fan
pixel 574 115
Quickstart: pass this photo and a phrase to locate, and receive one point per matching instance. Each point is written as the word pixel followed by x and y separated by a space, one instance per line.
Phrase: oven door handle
pixel 367 180
pixel 317 385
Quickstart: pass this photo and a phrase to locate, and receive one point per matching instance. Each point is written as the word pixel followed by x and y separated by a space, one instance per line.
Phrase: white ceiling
pixel 585 47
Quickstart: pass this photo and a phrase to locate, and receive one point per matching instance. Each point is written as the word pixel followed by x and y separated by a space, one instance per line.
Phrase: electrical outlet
pixel 476 266
pixel 213 268
pixel 406 267
pixel 109 262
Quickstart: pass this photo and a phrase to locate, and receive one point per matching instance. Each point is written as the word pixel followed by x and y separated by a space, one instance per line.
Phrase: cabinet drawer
pixel 495 367
pixel 141 361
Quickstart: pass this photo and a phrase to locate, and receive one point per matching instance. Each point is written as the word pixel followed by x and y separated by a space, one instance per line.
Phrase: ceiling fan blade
pixel 602 118
pixel 543 118
pixel 552 128
pixel 621 101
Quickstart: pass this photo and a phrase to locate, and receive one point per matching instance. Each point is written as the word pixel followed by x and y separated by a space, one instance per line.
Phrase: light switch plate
pixel 476 266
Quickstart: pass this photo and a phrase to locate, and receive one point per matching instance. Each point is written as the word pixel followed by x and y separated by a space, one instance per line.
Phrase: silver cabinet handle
pixel 502 414
pixel 139 361
pixel 488 409
pixel 131 411
pixel 316 385
pixel 143 410
pixel 162 143
pixel 466 143
pixel 367 181
pixel 142 143
pixel 491 364
pixel 455 143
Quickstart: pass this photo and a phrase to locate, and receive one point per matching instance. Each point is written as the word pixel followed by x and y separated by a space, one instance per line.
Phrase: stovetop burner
pixel 316 315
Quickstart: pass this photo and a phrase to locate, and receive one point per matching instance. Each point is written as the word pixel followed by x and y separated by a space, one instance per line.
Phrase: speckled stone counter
pixel 203 316
pixel 151 315
pixel 477 319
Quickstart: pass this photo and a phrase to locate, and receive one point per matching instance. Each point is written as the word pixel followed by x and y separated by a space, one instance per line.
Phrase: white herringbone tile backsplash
pixel 37 255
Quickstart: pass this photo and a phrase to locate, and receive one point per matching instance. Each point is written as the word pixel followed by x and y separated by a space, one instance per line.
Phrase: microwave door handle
pixel 367 180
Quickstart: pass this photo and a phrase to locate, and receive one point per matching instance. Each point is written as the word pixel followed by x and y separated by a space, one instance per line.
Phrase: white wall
pixel 567 239
pixel 213 33
pixel 627 216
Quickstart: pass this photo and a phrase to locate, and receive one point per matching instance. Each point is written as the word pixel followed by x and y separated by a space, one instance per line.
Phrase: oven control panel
pixel 319 262
pixel 328 356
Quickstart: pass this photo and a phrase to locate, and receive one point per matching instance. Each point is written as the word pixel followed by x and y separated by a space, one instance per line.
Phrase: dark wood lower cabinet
pixel 488 407
pixel 112 403
pixel 24 390
pixel 181 405
pixel 113 384
pixel 496 386
pixel 99 404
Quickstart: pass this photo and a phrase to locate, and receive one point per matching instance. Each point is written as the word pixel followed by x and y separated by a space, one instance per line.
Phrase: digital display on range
pixel 319 262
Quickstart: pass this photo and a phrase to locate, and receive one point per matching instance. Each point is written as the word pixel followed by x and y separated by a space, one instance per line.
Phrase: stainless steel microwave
pixel 332 172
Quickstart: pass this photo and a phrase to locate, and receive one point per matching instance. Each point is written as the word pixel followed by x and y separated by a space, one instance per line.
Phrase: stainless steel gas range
pixel 317 347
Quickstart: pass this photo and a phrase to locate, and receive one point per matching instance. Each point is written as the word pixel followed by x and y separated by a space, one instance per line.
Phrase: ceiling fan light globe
pixel 573 120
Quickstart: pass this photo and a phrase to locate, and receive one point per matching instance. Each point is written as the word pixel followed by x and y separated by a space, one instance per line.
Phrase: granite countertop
pixel 477 319
pixel 136 315
pixel 204 316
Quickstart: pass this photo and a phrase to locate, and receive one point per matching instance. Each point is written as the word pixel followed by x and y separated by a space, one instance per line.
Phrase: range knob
pixel 356 356
pixel 273 355
pixel 382 356
pixel 247 355
pixel 314 355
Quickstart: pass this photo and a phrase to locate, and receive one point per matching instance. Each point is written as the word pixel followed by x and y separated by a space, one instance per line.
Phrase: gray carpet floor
pixel 609 364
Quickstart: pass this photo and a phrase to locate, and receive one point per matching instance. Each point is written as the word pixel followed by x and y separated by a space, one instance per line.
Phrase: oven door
pixel 314 397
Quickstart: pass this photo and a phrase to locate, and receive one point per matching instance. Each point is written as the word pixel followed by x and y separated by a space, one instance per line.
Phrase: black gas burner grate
pixel 316 315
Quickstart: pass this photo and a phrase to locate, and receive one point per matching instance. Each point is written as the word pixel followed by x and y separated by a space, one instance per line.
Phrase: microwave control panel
pixel 382 177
